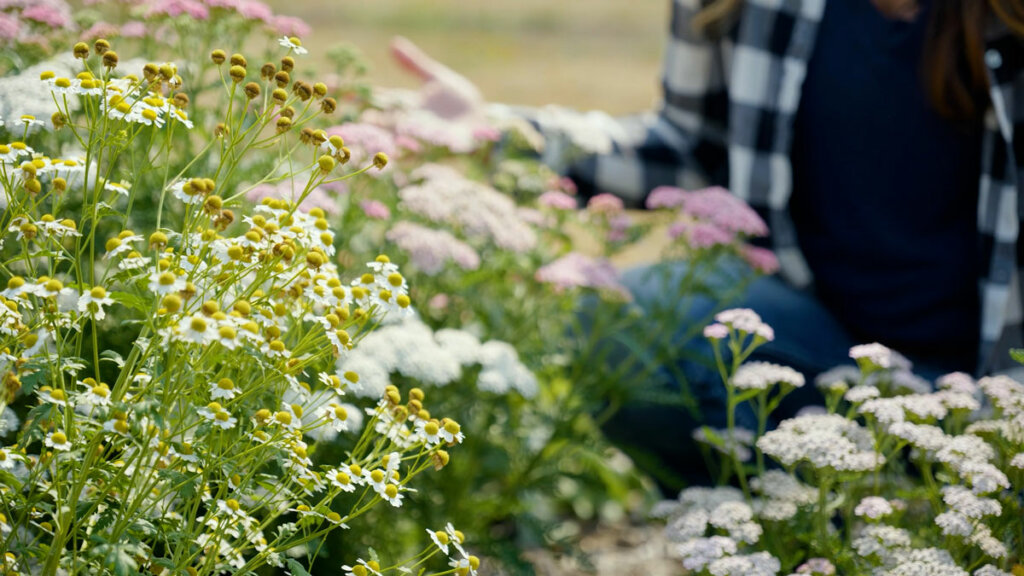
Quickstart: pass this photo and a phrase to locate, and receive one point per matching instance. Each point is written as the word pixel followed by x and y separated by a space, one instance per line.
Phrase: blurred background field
pixel 585 54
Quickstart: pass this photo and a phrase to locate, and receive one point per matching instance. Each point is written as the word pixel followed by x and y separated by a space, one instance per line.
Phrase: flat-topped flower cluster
pixel 891 477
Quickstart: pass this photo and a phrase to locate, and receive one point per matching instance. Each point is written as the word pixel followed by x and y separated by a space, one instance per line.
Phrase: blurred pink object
pixel 173 8
pixel 227 4
pixel 557 200
pixel 285 190
pixel 438 302
pixel 10 26
pixel 376 210
pixel 445 195
pixel 486 133
pixel 100 30
pixel 429 249
pixel 291 26
pixel 761 259
pixel 700 234
pixel 665 197
pixel 574 270
pixel 53 14
pixel 408 143
pixel 605 204
pixel 725 210
pixel 618 227
pixel 133 29
pixel 254 10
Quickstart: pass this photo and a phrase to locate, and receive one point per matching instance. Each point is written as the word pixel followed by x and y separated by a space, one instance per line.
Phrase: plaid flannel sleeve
pixel 681 144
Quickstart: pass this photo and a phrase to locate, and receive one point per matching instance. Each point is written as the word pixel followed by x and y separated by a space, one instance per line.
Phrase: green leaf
pixel 111 356
pixel 297 569
pixel 130 300
pixel 1017 354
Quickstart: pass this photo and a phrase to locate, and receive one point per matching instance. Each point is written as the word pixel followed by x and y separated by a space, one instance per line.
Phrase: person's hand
pixel 445 92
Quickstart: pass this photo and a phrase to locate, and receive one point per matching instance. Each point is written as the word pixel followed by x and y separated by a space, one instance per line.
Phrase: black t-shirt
pixel 885 189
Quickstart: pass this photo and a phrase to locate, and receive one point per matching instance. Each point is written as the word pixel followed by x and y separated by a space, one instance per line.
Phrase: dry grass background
pixel 585 54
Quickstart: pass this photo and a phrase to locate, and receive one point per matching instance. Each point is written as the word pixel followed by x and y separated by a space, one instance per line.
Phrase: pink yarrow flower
pixel 52 15
pixel 133 29
pixel 429 249
pixel 725 210
pixel 318 198
pixel 665 197
pixel 700 234
pixel 256 11
pixel 174 8
pixel 291 26
pixel 376 210
pixel 575 270
pixel 10 27
pixel 760 259
pixel 557 200
pixel 605 204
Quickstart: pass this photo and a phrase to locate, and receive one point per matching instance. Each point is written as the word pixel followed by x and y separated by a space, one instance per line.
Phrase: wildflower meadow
pixel 259 317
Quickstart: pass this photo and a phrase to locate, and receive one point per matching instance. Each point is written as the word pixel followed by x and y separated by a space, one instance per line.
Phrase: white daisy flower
pixel 58 441
pixel 51 396
pixel 335 416
pixel 195 329
pixel 93 301
pixel 293 44
pixel 342 480
pixel 7 459
pixel 118 187
pixel 223 389
pixel 440 539
pixel 166 282
pixel 95 394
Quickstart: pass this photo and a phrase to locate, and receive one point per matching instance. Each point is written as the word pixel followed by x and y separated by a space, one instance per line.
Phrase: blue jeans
pixel 808 338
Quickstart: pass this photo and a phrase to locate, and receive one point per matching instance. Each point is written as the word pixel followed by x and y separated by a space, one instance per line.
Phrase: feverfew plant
pixel 893 476
pixel 191 449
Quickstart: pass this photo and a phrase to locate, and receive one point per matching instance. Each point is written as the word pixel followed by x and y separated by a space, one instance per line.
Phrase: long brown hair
pixel 955 75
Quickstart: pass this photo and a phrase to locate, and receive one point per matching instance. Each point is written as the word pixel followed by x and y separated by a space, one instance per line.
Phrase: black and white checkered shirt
pixel 727 118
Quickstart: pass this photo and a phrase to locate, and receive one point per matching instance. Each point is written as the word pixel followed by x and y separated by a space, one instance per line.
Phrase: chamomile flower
pixel 362 568
pixel 96 394
pixel 465 566
pixel 355 473
pixel 376 479
pixel 51 396
pixel 227 336
pixel 30 121
pixel 451 432
pixel 392 493
pixel 429 431
pixel 293 44
pixel 121 188
pixel 93 301
pixel 456 537
pixel 335 416
pixel 166 282
pixel 342 480
pixel 440 539
pixel 181 117
pixel 223 389
pixel 184 190
pixel 195 329
pixel 58 440
pixel 7 459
